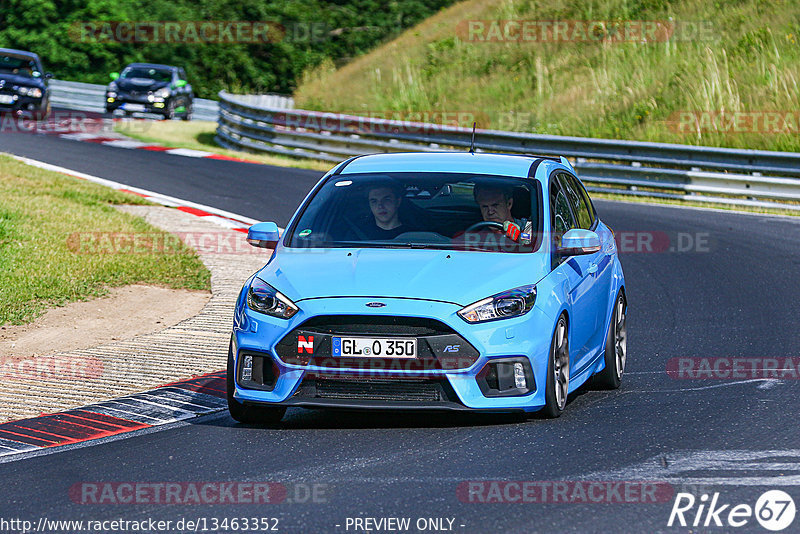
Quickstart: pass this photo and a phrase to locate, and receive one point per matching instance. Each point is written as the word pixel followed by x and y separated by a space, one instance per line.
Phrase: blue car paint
pixel 436 284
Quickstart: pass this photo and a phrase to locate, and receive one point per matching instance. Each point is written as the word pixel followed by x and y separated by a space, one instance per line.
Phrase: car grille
pixel 373 389
pixel 377 390
pixel 439 347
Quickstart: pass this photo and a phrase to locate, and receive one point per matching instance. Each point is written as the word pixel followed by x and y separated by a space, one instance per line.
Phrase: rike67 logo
pixel 774 510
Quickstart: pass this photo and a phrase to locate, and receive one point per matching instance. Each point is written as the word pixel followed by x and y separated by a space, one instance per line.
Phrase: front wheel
pixel 267 415
pixel 557 384
pixel 616 352
pixel 169 113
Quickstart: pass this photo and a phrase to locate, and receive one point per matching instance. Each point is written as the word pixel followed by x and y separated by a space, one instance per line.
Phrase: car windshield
pixel 450 211
pixel 148 73
pixel 18 66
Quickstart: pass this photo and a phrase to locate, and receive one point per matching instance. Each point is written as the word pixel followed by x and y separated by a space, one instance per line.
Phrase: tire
pixel 616 352
pixel 259 415
pixel 44 112
pixel 169 113
pixel 187 116
pixel 557 383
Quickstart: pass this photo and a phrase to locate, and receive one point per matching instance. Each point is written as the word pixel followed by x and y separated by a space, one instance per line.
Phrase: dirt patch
pixel 124 313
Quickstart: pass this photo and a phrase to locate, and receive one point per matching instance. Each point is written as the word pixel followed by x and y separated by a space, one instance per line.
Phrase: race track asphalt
pixel 735 295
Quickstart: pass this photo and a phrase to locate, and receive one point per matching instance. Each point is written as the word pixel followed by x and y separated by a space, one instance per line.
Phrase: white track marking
pixel 711 468
pixel 158 198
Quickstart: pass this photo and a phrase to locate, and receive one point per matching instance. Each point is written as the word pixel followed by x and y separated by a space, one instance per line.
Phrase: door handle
pixel 592 268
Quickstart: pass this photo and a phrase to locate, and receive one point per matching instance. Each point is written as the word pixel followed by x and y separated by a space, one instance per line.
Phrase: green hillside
pixel 727 75
pixel 75 44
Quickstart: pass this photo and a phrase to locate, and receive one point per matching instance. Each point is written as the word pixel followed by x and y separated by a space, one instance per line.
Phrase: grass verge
pixel 199 135
pixel 724 58
pixel 44 214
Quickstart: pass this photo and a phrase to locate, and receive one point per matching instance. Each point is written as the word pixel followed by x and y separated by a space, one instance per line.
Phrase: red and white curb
pixel 217 216
pixel 170 403
pixel 102 139
pixel 167 404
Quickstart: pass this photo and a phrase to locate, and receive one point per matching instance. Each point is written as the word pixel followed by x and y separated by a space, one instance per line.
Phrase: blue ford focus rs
pixel 449 281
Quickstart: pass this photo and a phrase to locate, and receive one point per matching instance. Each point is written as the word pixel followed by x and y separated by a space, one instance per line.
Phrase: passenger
pixel 384 203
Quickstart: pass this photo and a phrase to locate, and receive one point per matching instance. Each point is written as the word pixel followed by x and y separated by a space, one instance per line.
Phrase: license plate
pixel 133 107
pixel 375 347
pixel 6 99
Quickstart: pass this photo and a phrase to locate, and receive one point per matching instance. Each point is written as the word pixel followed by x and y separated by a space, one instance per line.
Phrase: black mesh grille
pixel 381 390
pixel 345 387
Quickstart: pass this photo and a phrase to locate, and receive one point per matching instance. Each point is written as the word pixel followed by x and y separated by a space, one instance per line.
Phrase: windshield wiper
pixel 388 244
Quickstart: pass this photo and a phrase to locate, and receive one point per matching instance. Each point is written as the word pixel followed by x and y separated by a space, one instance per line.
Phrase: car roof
pixel 516 165
pixel 22 54
pixel 152 65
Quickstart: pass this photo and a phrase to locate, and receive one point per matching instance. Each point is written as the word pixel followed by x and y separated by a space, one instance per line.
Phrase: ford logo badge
pixel 375 304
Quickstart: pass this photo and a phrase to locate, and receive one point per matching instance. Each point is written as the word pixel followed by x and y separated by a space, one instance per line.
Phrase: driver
pixel 384 203
pixel 495 204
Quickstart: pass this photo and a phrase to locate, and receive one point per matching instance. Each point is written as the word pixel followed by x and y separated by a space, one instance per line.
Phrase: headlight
pixel 162 93
pixel 34 92
pixel 512 303
pixel 264 298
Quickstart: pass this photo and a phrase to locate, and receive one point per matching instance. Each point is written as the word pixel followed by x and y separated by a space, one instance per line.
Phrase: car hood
pixel 13 79
pixel 444 275
pixel 140 84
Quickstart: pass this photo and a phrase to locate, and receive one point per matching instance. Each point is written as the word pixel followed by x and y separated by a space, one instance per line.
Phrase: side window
pixel 588 200
pixel 181 74
pixel 561 217
pixel 576 200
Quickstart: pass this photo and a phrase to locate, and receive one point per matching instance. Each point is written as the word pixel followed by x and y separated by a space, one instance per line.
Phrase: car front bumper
pixel 441 383
pixel 21 104
pixel 136 103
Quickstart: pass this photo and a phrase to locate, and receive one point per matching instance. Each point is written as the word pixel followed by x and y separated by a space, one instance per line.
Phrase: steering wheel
pixel 484 224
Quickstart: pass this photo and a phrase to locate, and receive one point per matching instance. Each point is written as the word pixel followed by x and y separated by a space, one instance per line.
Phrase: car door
pixel 579 278
pixel 597 264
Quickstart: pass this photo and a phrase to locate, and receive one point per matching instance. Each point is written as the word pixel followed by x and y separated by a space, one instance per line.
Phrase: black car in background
pixel 150 88
pixel 23 83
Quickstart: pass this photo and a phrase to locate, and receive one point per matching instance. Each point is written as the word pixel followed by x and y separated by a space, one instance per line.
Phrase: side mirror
pixel 114 75
pixel 578 241
pixel 48 75
pixel 263 235
pixel 180 83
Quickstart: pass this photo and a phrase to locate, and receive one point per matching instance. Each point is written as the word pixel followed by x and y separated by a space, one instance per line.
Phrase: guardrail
pixel 698 173
pixel 91 97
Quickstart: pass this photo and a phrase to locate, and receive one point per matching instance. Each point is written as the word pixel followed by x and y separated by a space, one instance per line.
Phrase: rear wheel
pixel 267 415
pixel 557 384
pixel 616 347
